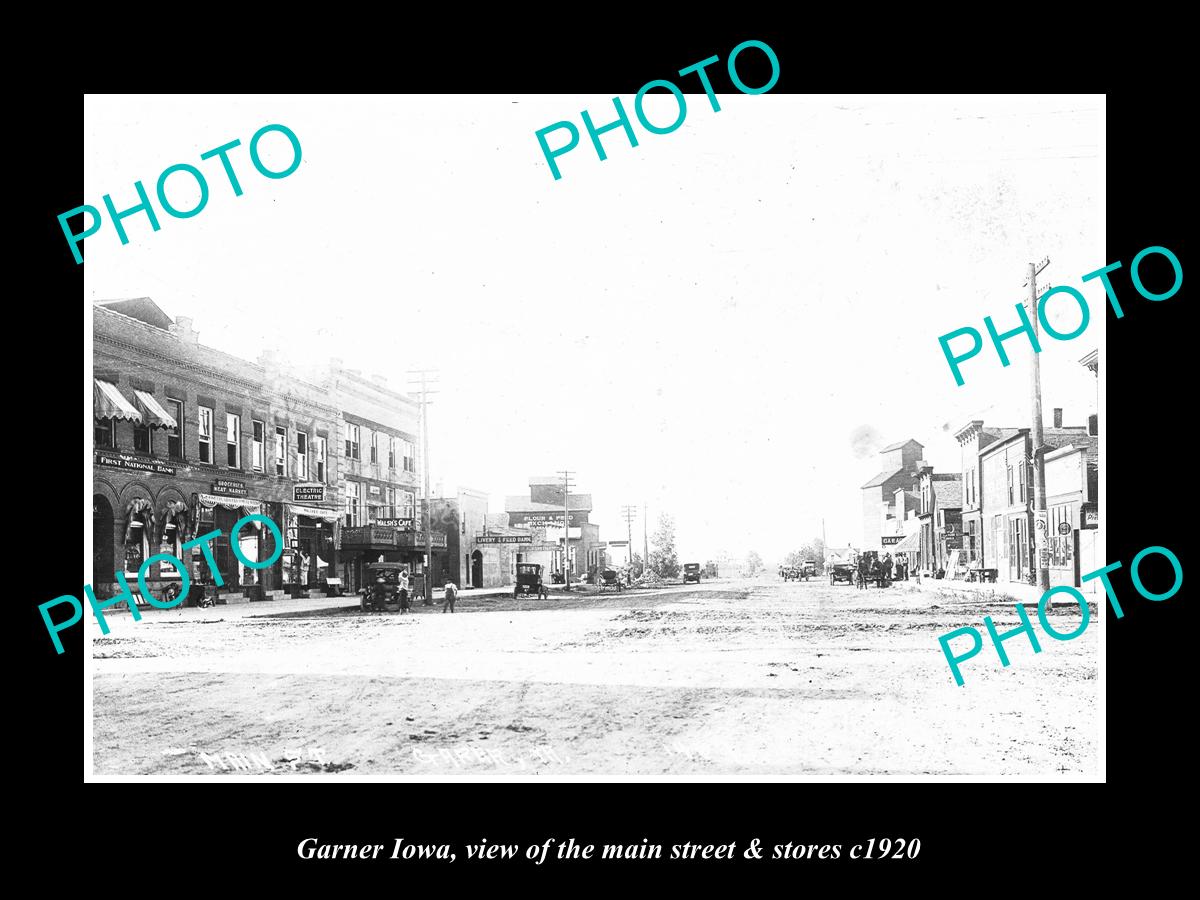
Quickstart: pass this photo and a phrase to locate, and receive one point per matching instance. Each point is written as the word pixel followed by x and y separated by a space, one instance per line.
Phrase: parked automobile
pixel 382 587
pixel 842 571
pixel 529 580
pixel 691 572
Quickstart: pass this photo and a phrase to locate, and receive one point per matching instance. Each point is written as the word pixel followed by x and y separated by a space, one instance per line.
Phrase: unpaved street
pixel 728 678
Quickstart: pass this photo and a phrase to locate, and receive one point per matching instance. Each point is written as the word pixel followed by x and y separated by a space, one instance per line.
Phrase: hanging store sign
pixel 308 493
pixel 124 461
pixel 503 538
pixel 402 524
pixel 229 488
pixel 890 540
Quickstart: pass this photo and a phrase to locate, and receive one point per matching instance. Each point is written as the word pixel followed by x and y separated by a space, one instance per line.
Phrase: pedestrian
pixel 404 604
pixel 451 596
pixel 887 569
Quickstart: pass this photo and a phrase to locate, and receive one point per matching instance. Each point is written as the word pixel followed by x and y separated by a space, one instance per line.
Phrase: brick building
pixel 379 483
pixel 462 519
pixel 541 511
pixel 187 440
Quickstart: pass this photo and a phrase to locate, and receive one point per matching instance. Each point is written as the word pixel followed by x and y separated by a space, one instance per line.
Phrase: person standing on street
pixel 451 596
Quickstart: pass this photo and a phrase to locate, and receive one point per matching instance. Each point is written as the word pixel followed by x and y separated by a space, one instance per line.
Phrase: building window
pixel 1011 501
pixel 352 440
pixel 391 453
pixel 175 435
pixel 258 446
pixel 389 499
pixel 106 433
pixel 1021 486
pixel 280 450
pixel 143 441
pixel 302 456
pixel 205 433
pixel 374 447
pixel 408 505
pixel 410 455
pixel 233 441
pixel 321 453
pixel 353 499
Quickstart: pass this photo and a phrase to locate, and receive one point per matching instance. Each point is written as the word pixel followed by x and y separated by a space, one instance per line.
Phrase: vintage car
pixel 842 570
pixel 383 586
pixel 691 572
pixel 529 580
pixel 808 569
pixel 609 578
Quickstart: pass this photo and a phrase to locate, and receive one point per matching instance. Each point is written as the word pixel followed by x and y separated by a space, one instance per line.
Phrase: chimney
pixel 183 330
pixel 1058 417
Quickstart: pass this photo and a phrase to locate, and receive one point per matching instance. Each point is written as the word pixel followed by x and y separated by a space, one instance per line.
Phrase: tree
pixel 754 563
pixel 663 561
pixel 636 567
pixel 813 551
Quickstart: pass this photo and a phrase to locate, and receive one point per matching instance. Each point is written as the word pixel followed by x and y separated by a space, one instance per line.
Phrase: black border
pixel 978 830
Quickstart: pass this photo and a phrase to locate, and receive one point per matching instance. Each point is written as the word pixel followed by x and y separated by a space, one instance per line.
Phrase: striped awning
pixel 152 413
pixel 910 544
pixel 109 403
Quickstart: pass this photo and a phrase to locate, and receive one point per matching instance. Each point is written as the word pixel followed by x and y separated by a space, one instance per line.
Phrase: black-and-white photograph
pixel 485 438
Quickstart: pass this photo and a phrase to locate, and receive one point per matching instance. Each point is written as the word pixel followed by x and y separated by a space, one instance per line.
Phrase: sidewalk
pixel 1025 594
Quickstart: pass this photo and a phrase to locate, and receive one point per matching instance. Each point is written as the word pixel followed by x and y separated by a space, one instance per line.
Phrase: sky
pixel 725 323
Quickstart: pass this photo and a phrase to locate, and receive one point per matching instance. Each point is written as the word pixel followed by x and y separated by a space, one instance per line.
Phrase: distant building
pixel 541 511
pixel 899 467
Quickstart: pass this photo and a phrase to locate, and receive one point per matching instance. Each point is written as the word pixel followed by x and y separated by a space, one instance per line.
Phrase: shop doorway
pixel 477 569
pixel 1018 558
pixel 102 538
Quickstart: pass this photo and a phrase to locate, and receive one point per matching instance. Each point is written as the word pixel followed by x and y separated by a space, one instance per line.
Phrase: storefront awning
pixel 109 403
pixel 152 413
pixel 208 501
pixel 315 512
pixel 910 544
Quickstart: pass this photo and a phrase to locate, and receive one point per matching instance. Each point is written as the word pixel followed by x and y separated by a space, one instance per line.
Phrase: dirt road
pixel 735 678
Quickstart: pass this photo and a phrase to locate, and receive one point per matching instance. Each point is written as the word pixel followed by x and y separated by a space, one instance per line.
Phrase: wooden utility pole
pixel 645 539
pixel 1041 522
pixel 566 477
pixel 426 376
pixel 629 512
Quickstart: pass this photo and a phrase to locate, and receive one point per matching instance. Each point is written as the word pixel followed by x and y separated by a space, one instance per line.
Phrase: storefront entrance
pixel 1018 554
pixel 477 569
pixel 103 534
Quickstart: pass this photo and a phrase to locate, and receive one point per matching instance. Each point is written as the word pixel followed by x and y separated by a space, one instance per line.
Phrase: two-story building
pixel 1006 492
pixel 189 439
